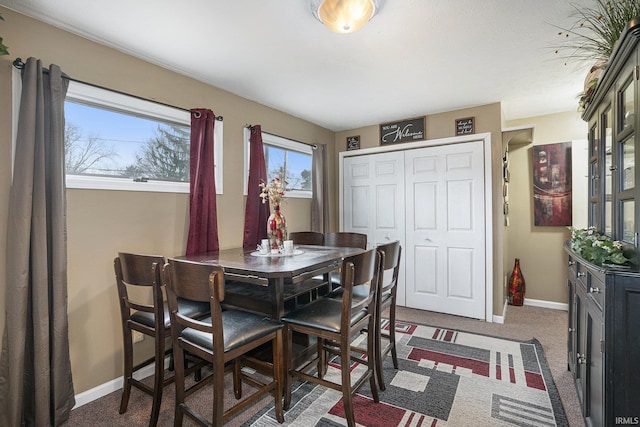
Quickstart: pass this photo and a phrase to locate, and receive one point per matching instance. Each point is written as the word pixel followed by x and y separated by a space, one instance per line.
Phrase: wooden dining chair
pixel 225 338
pixel 151 319
pixel 330 320
pixel 386 299
pixel 307 238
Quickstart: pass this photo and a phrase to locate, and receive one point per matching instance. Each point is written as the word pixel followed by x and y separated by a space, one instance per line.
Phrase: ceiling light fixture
pixel 345 16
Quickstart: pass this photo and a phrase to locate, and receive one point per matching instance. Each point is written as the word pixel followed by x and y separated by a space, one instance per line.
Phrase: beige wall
pixel 542 259
pixel 101 223
pixel 488 119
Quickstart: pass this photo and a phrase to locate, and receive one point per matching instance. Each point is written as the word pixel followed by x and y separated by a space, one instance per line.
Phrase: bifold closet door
pixel 445 229
pixel 373 200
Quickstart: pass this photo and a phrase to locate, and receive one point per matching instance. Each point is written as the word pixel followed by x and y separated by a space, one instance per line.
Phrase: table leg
pixel 276 286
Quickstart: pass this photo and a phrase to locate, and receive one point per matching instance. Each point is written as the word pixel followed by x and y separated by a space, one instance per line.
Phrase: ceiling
pixel 416 57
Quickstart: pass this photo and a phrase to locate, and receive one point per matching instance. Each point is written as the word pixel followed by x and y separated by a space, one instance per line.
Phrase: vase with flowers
pixel 273 193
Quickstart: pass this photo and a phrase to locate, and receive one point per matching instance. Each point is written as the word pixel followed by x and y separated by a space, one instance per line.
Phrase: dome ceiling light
pixel 345 16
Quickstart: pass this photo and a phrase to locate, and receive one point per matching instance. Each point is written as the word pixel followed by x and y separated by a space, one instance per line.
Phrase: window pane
pixel 295 167
pixel 101 142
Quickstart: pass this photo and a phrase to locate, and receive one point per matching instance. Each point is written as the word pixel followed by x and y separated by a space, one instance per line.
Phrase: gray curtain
pixel 320 190
pixel 36 388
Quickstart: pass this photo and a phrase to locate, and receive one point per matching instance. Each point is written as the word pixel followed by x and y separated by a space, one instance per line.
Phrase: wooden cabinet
pixel 603 345
pixel 612 135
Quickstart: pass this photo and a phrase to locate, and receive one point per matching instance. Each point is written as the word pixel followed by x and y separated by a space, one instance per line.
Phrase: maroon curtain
pixel 256 212
pixel 203 217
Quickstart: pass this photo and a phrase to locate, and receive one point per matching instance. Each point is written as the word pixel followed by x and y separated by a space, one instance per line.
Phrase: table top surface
pixel 241 260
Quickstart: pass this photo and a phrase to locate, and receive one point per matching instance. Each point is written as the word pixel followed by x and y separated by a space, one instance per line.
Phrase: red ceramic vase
pixel 516 285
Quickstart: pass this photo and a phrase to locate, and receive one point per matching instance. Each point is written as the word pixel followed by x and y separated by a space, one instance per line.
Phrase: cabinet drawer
pixel 581 275
pixel 595 288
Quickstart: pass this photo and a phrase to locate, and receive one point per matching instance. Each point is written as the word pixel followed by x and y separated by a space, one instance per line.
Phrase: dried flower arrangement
pixel 273 192
pixel 593 37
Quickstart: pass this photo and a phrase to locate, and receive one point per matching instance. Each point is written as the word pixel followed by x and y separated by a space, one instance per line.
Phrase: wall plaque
pixel 406 130
pixel 353 142
pixel 465 126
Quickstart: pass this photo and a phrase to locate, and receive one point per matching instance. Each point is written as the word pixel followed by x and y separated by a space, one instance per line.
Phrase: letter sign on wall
pixel 406 130
pixel 465 126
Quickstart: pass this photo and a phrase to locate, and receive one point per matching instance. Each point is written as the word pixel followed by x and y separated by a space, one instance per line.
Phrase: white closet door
pixel 445 229
pixel 374 200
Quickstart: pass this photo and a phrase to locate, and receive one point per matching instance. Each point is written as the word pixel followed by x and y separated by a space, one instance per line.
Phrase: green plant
pixel 4 50
pixel 596 30
pixel 597 248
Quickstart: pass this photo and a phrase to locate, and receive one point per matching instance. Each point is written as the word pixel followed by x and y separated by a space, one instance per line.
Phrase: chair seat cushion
pixel 239 328
pixel 322 314
pixel 189 308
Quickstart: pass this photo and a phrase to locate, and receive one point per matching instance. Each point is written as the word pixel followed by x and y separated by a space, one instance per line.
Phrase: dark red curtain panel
pixel 256 212
pixel 203 217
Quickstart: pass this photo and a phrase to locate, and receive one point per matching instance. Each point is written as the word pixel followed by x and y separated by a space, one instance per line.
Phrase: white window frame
pixel 104 98
pixel 276 141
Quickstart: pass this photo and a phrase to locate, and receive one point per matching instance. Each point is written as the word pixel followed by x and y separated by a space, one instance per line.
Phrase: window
pixel 287 158
pixel 119 142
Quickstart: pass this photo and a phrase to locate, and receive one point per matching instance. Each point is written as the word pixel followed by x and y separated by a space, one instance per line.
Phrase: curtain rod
pixel 17 63
pixel 284 137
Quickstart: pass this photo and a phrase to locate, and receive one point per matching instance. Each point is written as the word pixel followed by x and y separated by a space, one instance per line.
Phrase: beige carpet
pixel 522 323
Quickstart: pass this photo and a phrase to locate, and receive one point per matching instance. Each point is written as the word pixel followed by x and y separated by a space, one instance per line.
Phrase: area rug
pixel 445 378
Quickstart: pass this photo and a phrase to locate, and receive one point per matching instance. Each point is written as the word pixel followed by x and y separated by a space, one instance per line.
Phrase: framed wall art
pixel 552 184
pixel 353 142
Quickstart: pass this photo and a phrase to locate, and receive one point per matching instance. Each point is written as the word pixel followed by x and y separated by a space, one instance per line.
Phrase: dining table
pixel 274 284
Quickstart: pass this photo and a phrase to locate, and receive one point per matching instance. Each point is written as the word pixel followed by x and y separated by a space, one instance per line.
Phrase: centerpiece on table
pixel 598 248
pixel 276 224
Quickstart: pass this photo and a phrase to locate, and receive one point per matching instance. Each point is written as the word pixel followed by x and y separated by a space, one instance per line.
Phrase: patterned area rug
pixel 445 378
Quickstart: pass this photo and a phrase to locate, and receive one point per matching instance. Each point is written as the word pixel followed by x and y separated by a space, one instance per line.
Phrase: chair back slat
pixel 307 238
pixel 136 268
pixel 346 240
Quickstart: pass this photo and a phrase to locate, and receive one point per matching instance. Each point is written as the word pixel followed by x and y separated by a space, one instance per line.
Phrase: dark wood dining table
pixel 263 283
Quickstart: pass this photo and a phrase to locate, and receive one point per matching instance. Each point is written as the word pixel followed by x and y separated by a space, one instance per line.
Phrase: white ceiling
pixel 415 57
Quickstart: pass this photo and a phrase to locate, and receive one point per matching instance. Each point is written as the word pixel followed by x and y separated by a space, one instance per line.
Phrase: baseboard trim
pixel 546 304
pixel 500 319
pixel 113 385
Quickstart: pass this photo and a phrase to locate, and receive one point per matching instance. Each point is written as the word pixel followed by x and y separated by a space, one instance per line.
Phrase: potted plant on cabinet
pixel 593 37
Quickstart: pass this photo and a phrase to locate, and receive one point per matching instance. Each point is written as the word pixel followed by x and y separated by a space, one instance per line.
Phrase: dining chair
pixel 307 238
pixel 136 271
pixel 386 299
pixel 331 320
pixel 225 338
pixel 386 289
